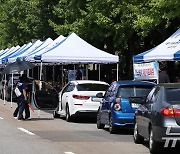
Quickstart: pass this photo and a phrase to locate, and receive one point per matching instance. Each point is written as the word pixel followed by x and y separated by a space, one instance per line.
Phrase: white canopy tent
pixel 74 50
pixel 9 52
pixel 15 53
pixel 4 51
pixel 169 50
pixel 33 46
pixel 36 49
pixel 30 56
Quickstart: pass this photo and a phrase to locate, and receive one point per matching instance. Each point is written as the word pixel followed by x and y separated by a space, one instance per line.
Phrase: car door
pixel 103 108
pixel 107 103
pixel 140 119
pixel 43 96
pixel 149 111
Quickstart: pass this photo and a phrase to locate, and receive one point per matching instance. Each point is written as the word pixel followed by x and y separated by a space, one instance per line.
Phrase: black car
pixel 158 118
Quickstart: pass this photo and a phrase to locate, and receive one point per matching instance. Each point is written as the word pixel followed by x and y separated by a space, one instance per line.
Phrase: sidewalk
pixel 37 114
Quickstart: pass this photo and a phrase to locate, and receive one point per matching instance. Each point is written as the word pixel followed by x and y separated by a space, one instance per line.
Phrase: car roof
pixel 133 82
pixel 76 82
pixel 170 85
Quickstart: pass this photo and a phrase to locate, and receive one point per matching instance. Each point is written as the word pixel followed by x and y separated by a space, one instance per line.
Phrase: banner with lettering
pixel 146 71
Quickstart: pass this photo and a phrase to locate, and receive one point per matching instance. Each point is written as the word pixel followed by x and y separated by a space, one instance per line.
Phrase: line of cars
pixel 152 111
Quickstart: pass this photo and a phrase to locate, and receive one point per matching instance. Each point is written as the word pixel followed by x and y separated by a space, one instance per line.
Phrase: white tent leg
pixel 117 71
pixel 87 72
pixel 4 90
pixel 158 72
pixel 32 75
pixel 27 73
pixel 62 84
pixel 40 77
pixel 53 76
pixel 38 113
pixel 99 72
pixel 11 89
pixel 40 72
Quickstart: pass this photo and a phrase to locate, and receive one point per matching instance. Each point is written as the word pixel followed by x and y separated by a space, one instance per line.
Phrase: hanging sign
pixel 146 71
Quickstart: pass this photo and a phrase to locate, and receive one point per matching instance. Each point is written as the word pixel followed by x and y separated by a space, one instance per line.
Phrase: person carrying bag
pixel 22 99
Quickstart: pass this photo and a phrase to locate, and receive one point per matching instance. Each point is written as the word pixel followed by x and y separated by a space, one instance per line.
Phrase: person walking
pixel 22 100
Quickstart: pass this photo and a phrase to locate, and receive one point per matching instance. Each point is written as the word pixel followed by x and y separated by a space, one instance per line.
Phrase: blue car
pixel 120 102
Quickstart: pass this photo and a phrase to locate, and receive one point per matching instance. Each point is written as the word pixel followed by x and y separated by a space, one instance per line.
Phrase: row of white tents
pixel 63 50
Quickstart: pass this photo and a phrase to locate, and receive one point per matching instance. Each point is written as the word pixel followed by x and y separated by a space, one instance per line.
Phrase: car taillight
pixel 169 112
pixel 177 112
pixel 81 97
pixel 117 105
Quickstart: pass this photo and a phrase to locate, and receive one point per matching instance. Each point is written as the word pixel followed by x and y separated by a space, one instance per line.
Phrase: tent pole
pixel 117 71
pixel 11 89
pixel 40 77
pixel 87 72
pixel 62 84
pixel 28 73
pixel 158 72
pixel 32 75
pixel 53 76
pixel 40 73
pixel 4 89
pixel 99 72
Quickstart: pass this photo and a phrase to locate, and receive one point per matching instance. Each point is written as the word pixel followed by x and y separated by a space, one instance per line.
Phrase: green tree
pixel 22 20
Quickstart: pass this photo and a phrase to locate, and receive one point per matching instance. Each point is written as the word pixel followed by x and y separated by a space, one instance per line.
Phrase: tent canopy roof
pixel 73 49
pixel 169 50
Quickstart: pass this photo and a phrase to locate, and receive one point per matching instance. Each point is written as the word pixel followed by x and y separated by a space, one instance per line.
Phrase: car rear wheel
pixel 68 117
pixel 99 124
pixel 137 137
pixel 153 145
pixel 112 128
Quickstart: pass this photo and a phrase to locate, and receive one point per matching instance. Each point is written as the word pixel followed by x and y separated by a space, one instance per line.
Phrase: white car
pixel 77 98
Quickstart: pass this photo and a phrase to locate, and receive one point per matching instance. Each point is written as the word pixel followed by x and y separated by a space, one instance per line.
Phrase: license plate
pixel 134 105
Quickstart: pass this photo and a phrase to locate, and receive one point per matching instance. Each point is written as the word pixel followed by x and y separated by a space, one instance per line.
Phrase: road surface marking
pixel 26 131
pixel 1 118
pixel 69 153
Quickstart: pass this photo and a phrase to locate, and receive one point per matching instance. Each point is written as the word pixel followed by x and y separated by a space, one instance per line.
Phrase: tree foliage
pixel 126 27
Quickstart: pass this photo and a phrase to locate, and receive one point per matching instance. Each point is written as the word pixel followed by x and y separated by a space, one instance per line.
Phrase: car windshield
pixel 172 94
pixel 92 87
pixel 133 91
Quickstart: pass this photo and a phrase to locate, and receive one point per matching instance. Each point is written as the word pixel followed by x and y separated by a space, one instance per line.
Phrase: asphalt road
pixel 45 135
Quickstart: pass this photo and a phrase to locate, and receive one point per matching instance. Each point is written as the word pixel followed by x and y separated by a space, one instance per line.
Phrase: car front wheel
pixel 99 124
pixel 137 137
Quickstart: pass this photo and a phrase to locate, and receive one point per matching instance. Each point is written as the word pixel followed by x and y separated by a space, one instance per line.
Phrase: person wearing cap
pixel 22 100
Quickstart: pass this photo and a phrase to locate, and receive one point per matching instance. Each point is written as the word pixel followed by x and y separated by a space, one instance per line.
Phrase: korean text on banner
pixel 146 71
